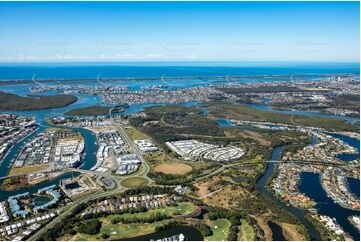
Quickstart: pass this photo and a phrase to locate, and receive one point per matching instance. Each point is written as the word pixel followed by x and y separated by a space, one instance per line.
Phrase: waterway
pixel 311 186
pixel 34 189
pixel 299 213
pixel 354 185
pixel 277 234
pixel 88 161
pixel 352 142
pixel 351 120
pixel 190 233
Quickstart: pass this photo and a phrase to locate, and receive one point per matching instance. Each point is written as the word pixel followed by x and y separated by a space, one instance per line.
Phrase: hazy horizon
pixel 180 32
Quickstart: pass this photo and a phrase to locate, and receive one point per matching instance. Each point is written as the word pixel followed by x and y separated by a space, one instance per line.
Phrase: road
pixel 133 147
pixel 119 188
pixel 68 209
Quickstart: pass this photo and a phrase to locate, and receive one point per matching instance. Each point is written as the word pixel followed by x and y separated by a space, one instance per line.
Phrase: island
pixel 96 110
pixel 14 102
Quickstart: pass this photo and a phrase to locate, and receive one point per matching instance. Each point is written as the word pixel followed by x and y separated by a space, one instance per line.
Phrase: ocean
pixel 139 70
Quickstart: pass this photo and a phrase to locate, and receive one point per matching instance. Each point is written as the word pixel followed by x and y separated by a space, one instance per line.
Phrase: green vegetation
pixel 175 122
pixel 244 112
pixel 14 183
pixel 220 229
pixel 18 171
pixel 205 230
pixel 325 234
pixel 120 231
pixel 351 102
pixel 260 204
pixel 135 134
pixel 174 179
pixel 14 102
pixel 135 222
pixel 153 215
pixel 94 110
pixel 247 232
pixel 134 182
pixel 90 227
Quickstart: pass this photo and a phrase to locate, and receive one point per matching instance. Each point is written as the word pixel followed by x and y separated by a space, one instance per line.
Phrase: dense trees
pixel 90 227
pixel 205 230
pixel 13 102
pixel 171 123
pixel 151 219
pixel 66 225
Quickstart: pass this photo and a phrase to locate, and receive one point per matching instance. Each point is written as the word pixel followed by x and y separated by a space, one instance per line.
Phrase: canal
pixel 311 186
pixel 34 189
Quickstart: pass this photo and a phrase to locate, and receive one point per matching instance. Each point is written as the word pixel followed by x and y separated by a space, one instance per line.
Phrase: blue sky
pixel 180 31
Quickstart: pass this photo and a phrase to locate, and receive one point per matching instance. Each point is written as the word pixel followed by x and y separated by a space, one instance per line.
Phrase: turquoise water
pixel 109 70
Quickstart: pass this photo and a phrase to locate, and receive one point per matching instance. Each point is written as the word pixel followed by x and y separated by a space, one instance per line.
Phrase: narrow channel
pixel 277 233
pixel 299 213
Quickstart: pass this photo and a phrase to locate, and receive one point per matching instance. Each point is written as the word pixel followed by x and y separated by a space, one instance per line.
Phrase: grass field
pixel 173 168
pixel 168 165
pixel 15 171
pixel 243 112
pixel 135 134
pixel 246 232
pixel 124 231
pixel 220 228
pixel 134 182
pixel 119 231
